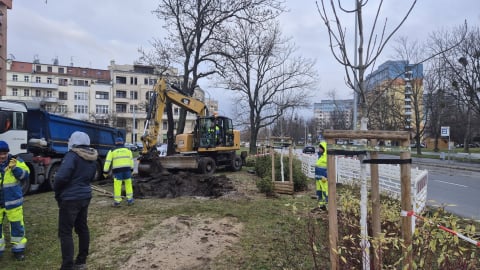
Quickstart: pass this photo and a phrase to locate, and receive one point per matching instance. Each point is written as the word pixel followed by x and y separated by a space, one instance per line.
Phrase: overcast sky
pixel 90 33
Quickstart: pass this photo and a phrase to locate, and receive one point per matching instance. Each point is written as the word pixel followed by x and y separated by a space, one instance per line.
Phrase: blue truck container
pixel 48 136
pixel 56 130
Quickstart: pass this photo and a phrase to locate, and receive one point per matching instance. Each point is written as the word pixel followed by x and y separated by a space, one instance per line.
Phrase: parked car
pixel 414 145
pixel 308 150
pixel 131 146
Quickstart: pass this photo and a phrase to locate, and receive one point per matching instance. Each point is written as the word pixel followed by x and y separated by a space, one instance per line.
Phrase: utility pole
pixel 4 5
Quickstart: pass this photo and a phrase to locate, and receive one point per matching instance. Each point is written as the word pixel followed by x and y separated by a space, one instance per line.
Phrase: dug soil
pixel 182 184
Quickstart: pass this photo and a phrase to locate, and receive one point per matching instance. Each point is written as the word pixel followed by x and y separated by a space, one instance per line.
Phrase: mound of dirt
pixel 182 184
pixel 184 242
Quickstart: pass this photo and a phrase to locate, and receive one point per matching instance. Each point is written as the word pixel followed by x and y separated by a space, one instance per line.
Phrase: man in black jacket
pixel 73 193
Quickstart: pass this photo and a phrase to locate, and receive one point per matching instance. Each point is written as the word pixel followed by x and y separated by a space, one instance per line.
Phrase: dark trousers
pixel 73 214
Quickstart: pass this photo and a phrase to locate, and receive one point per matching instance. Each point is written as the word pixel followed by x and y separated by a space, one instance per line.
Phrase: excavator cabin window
pixel 215 131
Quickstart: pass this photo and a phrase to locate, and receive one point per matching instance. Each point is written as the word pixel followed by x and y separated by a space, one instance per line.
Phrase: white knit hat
pixel 78 138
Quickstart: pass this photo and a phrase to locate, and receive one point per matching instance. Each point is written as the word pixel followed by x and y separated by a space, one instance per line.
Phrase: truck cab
pixel 13 126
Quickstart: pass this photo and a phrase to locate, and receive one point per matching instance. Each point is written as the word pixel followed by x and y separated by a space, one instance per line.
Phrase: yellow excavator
pixel 213 142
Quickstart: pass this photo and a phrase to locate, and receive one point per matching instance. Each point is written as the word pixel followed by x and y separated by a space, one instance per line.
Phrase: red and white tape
pixel 410 213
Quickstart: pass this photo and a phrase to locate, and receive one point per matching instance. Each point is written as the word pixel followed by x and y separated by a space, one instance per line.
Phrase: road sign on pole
pixel 445 131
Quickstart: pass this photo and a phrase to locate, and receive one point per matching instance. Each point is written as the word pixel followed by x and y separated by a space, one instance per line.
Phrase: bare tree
pixel 261 67
pixel 194 28
pixel 462 64
pixel 369 47
pixel 370 42
pixel 387 114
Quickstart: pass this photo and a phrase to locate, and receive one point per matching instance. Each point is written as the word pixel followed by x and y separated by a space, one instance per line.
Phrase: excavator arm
pixel 156 107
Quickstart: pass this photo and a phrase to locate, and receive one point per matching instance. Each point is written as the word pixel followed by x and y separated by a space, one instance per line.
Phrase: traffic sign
pixel 445 131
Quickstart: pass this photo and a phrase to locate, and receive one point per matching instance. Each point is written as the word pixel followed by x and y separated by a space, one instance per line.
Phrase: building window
pixel 101 109
pixel 134 95
pixel 49 69
pixel 26 92
pixel 164 125
pixel 133 80
pixel 121 108
pixel 121 123
pixel 80 109
pixel 49 80
pixel 102 121
pixel 80 82
pixel 38 68
pixel 15 77
pixel 121 94
pixel 49 107
pixel 38 79
pixel 61 70
pixel 120 80
pixel 49 94
pixel 62 95
pixel 80 96
pixel 63 82
pixel 26 78
pixel 38 93
pixel 133 108
pixel 14 92
pixel 62 108
pixel 101 95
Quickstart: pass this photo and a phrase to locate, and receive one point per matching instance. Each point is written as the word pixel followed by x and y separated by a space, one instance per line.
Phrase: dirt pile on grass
pixel 182 184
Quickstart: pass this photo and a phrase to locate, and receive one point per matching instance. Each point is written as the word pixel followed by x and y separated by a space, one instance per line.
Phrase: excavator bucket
pixel 149 164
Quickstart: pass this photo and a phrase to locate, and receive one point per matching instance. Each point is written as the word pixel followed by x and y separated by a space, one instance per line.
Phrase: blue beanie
pixel 119 140
pixel 4 147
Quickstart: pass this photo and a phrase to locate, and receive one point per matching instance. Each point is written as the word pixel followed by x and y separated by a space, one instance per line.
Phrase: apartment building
pixel 397 89
pixel 333 114
pixel 117 96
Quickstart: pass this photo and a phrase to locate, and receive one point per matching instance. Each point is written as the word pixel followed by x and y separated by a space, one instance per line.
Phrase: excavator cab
pixel 214 131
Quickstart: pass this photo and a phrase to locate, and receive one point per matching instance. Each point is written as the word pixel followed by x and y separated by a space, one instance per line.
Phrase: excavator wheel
pixel 207 165
pixel 236 164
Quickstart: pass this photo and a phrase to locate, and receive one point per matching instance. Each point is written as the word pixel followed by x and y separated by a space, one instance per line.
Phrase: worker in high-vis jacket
pixel 13 172
pixel 120 160
pixel 321 182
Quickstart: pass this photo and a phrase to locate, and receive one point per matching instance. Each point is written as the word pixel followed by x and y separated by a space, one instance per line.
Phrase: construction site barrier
pixel 404 213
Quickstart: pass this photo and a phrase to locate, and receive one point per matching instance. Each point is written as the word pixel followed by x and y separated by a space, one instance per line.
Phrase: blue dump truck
pixel 41 140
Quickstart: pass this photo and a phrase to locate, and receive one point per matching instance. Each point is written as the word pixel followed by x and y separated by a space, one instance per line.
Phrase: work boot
pixel 130 202
pixel 115 204
pixel 80 267
pixel 19 256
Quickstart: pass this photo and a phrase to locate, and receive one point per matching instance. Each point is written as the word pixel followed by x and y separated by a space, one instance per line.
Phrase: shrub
pixel 263 168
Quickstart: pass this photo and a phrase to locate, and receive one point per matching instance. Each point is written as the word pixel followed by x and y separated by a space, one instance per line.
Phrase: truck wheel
pixel 52 173
pixel 236 164
pixel 207 166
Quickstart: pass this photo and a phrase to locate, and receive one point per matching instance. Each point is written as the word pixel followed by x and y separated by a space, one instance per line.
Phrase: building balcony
pixel 23 84
pixel 121 99
pixel 52 86
pixel 46 99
